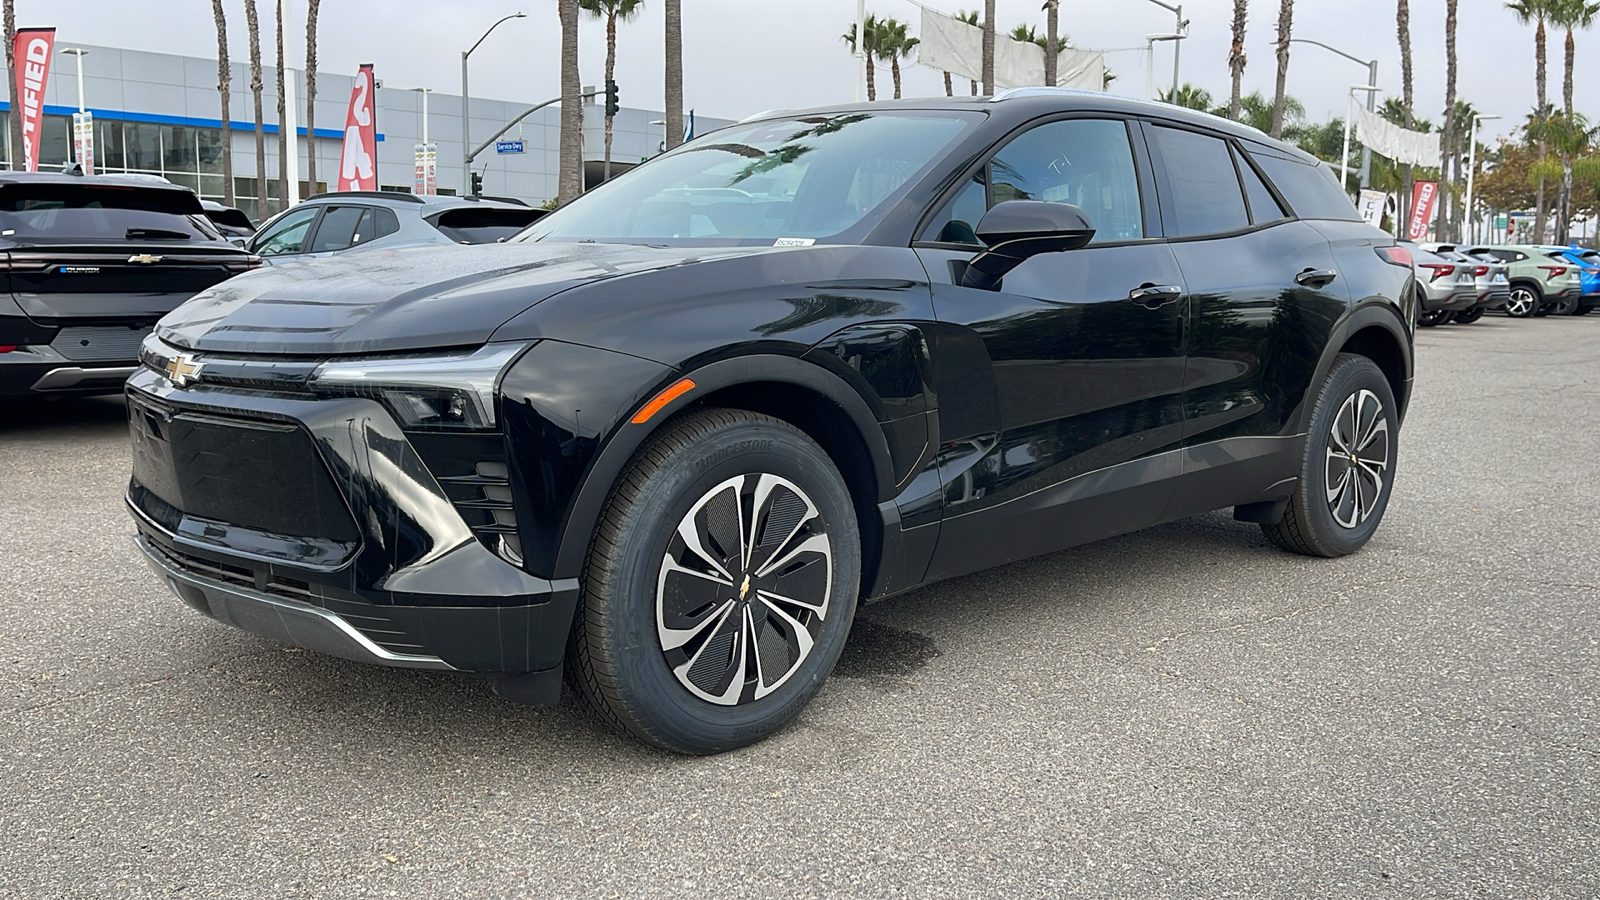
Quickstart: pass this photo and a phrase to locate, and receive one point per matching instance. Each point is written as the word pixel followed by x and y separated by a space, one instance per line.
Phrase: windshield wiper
pixel 154 234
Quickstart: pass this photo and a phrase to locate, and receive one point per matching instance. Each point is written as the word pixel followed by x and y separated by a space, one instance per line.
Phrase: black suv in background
pixel 670 435
pixel 90 264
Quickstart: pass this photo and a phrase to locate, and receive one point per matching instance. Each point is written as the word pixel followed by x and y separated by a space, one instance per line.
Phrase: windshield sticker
pixel 794 242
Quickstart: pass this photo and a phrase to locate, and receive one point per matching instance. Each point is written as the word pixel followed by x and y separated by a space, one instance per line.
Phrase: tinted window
pixel 338 228
pixel 1263 206
pixel 101 212
pixel 383 223
pixel 1312 191
pixel 483 225
pixel 1085 162
pixel 1206 198
pixel 288 234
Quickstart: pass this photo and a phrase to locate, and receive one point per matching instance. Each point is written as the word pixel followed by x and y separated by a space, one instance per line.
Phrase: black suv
pixel 90 264
pixel 672 434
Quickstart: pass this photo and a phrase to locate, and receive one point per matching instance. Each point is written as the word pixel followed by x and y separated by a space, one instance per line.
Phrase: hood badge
pixel 144 258
pixel 183 370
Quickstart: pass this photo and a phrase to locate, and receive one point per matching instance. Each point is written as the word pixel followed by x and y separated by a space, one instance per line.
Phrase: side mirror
pixel 1018 229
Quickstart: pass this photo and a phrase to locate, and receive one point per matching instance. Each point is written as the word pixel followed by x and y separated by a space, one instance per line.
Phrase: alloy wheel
pixel 1358 459
pixel 744 589
pixel 1523 303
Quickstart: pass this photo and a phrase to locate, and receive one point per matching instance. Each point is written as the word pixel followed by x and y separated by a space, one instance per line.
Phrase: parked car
pixel 1491 282
pixel 684 439
pixel 1588 263
pixel 1445 287
pixel 364 220
pixel 1539 285
pixel 232 223
pixel 91 263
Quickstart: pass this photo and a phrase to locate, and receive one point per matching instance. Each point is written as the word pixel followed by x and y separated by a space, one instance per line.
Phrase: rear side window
pixel 483 225
pixel 1206 197
pixel 338 229
pixel 1312 191
pixel 101 213
pixel 1264 207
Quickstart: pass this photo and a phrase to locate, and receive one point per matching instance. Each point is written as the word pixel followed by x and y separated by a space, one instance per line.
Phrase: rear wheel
pixel 1434 317
pixel 1564 307
pixel 721 584
pixel 1525 301
pixel 1349 464
pixel 1468 316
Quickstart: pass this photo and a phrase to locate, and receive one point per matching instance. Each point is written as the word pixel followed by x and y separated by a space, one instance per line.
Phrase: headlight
pixel 426 392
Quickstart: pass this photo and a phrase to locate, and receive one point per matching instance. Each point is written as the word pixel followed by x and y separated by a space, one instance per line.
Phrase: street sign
pixel 508 146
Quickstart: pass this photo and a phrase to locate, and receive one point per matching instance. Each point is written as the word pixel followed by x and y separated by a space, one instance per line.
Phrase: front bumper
pixel 316 521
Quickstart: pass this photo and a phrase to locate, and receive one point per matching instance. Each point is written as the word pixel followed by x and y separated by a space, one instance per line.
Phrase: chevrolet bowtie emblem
pixel 744 588
pixel 181 370
pixel 144 258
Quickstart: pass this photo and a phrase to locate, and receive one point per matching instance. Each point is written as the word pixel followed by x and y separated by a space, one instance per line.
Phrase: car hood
pixel 410 298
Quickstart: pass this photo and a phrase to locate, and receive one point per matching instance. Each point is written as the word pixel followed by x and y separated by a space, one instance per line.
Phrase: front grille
pixel 484 501
pixel 85 343
pixel 366 618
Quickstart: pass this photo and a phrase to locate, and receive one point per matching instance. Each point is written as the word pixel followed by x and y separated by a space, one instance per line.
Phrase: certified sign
pixel 508 146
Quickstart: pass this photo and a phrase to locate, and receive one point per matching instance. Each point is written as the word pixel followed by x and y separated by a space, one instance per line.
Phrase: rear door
pixel 1058 392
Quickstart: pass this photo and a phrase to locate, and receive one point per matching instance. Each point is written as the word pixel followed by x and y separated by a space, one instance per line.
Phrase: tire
pixel 1525 301
pixel 1564 307
pixel 664 685
pixel 1320 522
pixel 1434 317
pixel 1583 309
pixel 1468 316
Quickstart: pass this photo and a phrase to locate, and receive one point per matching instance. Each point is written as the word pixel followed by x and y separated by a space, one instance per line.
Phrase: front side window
pixel 1085 162
pixel 1206 197
pixel 288 234
pixel 340 228
pixel 802 179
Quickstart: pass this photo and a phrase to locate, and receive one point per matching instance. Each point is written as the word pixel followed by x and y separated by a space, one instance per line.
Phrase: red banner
pixel 358 165
pixel 1423 196
pixel 31 49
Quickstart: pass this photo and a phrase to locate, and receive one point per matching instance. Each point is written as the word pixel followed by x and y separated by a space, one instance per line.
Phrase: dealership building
pixel 159 113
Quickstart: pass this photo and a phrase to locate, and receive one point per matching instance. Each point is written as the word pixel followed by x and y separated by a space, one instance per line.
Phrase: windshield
pixel 802 179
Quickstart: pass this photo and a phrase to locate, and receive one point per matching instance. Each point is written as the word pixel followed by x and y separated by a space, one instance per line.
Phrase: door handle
pixel 1155 296
pixel 1316 277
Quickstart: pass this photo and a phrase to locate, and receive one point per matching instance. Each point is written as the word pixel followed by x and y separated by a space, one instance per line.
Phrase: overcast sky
pixel 744 56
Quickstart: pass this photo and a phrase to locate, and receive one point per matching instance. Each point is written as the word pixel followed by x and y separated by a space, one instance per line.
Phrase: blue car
pixel 1588 263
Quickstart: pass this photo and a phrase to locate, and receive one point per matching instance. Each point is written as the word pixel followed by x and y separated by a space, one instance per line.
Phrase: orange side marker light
pixel 661 400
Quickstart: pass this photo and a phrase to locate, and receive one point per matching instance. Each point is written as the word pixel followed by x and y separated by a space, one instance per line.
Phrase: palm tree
pixel 611 11
pixel 674 86
pixel 311 93
pixel 1572 15
pixel 895 43
pixel 1236 57
pixel 988 47
pixel 1447 145
pixel 253 25
pixel 1256 111
pixel 871 47
pixel 1402 17
pixel 10 25
pixel 1574 140
pixel 1188 96
pixel 1052 47
pixel 971 17
pixel 1537 12
pixel 569 181
pixel 283 120
pixel 1285 27
pixel 224 88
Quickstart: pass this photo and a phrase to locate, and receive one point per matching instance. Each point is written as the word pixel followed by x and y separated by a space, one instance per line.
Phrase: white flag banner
pixel 1373 205
pixel 953 46
pixel 1388 139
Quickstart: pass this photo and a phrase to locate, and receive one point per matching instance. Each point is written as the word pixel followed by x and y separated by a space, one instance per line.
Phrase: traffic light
pixel 477 185
pixel 611 99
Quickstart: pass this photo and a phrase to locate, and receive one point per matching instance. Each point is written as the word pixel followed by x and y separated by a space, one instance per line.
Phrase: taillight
pixel 1555 271
pixel 7 348
pixel 1439 270
pixel 1480 271
pixel 1396 256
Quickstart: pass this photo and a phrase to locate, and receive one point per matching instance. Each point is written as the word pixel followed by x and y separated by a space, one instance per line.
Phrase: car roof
pixel 1022 104
pixel 426 204
pixel 62 178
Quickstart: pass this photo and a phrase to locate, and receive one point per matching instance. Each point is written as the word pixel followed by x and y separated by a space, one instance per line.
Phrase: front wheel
pixel 721 584
pixel 1349 464
pixel 1524 302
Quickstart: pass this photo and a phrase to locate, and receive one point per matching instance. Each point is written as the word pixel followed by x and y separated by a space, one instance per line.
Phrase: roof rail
pixel 384 195
pixel 511 200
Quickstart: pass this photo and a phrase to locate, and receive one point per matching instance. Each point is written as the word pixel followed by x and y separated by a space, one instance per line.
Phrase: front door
pixel 1060 391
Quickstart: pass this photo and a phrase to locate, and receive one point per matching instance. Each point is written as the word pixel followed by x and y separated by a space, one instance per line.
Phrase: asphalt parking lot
pixel 1183 712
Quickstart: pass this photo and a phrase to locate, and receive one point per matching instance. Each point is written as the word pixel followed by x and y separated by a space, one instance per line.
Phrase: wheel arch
pixel 1377 332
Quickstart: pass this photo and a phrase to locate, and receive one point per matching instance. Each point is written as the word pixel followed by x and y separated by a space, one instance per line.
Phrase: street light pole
pixel 1372 100
pixel 80 53
pixel 1472 164
pixel 466 114
pixel 1349 110
pixel 1150 61
pixel 1182 31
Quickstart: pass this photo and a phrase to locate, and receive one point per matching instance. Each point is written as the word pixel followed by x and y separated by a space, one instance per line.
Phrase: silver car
pixel 352 221
pixel 1491 280
pixel 1444 286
